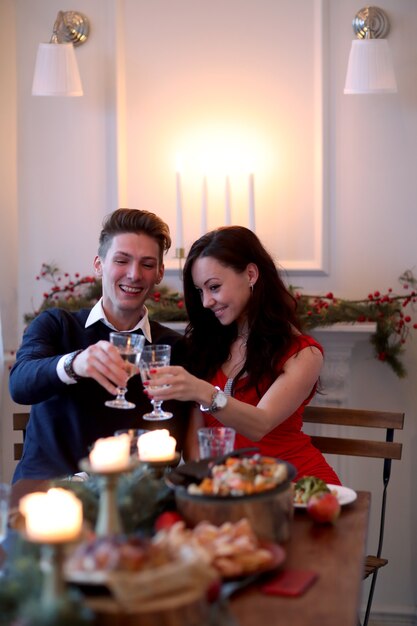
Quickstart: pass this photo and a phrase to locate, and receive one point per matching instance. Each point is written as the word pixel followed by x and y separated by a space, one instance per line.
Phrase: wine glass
pixel 130 347
pixel 153 357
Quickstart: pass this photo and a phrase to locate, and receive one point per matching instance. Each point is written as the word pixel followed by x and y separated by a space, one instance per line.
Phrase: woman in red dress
pixel 249 364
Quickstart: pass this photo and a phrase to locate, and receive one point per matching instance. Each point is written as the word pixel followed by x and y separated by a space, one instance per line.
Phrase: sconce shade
pixel 56 71
pixel 370 68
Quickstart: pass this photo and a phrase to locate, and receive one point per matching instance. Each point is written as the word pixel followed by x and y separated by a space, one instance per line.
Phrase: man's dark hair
pixel 134 221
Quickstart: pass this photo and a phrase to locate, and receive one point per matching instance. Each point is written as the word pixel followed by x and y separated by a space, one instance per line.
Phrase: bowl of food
pixel 254 487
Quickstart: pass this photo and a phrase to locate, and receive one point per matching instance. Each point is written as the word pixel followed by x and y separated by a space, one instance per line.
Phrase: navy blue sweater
pixel 65 420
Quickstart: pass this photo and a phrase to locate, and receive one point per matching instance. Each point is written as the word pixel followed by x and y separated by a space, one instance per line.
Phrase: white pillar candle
pixel 52 517
pixel 110 454
pixel 204 207
pixel 180 233
pixel 157 445
pixel 228 208
pixel 252 202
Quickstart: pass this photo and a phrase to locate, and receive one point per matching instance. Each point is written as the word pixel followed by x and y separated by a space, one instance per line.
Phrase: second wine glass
pixel 153 357
pixel 130 348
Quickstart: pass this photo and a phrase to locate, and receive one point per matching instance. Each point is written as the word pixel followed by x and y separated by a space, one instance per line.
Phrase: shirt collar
pixel 97 315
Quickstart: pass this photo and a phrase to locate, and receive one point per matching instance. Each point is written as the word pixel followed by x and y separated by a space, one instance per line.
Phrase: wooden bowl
pixel 269 512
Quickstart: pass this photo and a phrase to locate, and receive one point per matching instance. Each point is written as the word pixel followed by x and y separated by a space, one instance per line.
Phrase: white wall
pixel 66 163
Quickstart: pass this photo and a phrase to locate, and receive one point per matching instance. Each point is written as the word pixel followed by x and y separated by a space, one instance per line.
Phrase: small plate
pixel 345 495
pixel 232 584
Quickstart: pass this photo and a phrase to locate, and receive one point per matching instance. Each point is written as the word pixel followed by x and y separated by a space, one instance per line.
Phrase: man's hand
pixel 102 362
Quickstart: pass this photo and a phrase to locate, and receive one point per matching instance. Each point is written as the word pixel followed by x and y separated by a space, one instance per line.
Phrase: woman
pixel 249 365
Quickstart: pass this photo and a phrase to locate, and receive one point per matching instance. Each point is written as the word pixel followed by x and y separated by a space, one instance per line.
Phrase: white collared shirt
pixel 97 314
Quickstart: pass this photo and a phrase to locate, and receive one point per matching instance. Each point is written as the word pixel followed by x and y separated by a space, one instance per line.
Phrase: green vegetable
pixel 309 486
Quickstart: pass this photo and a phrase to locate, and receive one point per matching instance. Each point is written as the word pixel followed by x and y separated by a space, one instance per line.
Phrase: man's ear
pixel 98 267
pixel 161 273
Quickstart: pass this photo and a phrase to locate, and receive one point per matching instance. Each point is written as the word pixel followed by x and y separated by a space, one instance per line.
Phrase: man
pixel 66 368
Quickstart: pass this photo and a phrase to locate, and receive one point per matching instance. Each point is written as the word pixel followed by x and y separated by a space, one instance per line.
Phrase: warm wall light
pixel 56 69
pixel 370 68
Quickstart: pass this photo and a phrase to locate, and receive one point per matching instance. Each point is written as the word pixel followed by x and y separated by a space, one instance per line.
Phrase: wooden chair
pixel 20 421
pixel 387 450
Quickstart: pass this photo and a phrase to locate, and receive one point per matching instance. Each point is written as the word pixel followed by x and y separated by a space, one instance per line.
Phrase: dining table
pixel 334 552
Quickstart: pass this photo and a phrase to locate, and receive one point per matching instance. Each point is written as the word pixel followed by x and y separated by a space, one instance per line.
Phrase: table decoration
pixel 53 520
pixel 141 494
pixel 204 206
pixel 108 521
pixel 252 202
pixel 156 445
pixel 110 454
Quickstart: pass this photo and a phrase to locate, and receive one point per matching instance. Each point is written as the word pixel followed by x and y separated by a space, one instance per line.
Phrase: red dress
pixel 286 441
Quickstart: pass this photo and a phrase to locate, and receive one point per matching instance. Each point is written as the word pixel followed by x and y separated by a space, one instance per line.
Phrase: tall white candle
pixel 110 454
pixel 252 202
pixel 157 445
pixel 52 517
pixel 228 207
pixel 180 233
pixel 204 207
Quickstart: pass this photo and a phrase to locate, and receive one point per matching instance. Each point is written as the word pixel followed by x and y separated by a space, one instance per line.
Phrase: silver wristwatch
pixel 218 401
pixel 68 365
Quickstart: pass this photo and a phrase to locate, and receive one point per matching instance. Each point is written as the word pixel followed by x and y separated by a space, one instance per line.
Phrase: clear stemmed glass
pixel 153 357
pixel 130 347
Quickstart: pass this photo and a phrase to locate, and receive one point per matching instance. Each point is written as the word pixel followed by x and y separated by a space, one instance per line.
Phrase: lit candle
pixel 110 454
pixel 180 234
pixel 228 211
pixel 157 445
pixel 204 207
pixel 252 202
pixel 52 517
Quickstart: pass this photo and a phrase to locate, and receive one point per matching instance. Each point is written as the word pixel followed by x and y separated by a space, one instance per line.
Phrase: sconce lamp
pixel 56 69
pixel 370 69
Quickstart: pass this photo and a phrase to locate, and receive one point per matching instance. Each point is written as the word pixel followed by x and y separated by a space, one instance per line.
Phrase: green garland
pixel 387 310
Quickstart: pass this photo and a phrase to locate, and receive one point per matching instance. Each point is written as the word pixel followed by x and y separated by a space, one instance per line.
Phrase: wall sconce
pixel 370 68
pixel 56 69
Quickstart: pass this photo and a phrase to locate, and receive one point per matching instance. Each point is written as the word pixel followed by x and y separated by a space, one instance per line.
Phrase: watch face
pixel 220 400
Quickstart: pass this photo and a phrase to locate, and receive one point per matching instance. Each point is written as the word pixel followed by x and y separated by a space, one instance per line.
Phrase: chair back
pixel 386 449
pixel 20 421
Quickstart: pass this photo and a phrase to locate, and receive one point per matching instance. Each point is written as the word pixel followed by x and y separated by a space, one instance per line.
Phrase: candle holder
pixel 180 255
pixel 108 519
pixel 158 468
pixel 57 603
pixel 53 585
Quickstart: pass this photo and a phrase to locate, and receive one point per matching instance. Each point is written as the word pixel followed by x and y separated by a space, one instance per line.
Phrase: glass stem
pixel 157 404
pixel 121 393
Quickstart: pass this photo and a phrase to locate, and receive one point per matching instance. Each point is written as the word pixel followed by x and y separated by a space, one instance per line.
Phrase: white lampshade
pixel 56 71
pixel 370 68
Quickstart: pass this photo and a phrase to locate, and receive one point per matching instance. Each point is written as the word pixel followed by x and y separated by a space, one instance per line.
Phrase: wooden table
pixel 337 553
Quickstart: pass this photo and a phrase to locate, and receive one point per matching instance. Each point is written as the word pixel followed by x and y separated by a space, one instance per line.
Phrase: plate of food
pixel 231 548
pixel 309 486
pixel 233 477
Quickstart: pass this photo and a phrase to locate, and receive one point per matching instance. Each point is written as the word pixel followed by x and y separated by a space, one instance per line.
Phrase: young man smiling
pixel 66 368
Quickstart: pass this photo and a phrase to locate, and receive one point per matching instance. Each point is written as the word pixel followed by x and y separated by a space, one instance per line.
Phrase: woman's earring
pixel 251 288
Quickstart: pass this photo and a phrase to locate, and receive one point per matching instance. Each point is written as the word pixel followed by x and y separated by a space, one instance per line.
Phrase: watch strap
pixel 213 404
pixel 68 365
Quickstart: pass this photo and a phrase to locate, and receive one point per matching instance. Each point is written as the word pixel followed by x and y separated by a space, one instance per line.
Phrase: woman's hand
pixel 181 385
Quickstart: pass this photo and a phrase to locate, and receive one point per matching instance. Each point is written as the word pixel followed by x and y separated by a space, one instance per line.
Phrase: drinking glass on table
pixel 130 347
pixel 215 441
pixel 152 358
